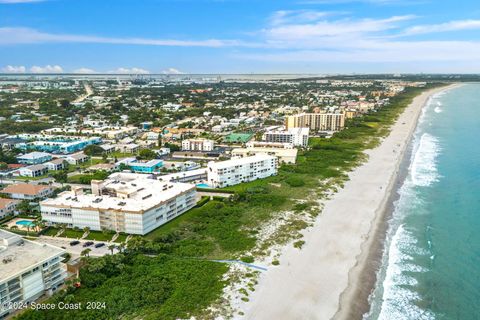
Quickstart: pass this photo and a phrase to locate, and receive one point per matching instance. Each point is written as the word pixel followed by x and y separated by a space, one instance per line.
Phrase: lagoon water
pixel 431 262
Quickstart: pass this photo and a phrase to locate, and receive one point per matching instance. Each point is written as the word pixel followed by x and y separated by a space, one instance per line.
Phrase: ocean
pixel 430 267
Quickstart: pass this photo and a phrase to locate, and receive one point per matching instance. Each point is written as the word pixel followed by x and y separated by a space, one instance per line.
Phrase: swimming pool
pixel 203 185
pixel 25 223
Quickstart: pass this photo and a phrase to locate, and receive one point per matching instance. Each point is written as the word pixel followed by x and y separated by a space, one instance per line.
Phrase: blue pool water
pixel 25 223
pixel 203 185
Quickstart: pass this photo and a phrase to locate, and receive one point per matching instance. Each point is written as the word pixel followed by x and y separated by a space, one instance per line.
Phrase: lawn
pixel 84 165
pixel 119 155
pixel 93 235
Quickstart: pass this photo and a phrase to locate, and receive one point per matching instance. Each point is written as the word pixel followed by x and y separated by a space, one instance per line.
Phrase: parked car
pixel 99 245
pixel 88 243
pixel 74 243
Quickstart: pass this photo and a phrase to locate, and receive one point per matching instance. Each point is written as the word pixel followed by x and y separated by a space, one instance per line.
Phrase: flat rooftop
pixel 18 255
pixel 134 194
pixel 240 161
pixel 266 150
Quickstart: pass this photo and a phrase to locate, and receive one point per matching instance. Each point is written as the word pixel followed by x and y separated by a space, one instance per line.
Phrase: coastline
pixel 362 277
pixel 333 274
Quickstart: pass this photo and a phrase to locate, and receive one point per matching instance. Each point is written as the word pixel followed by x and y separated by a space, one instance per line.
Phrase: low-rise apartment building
pixel 55 164
pixel 7 207
pixel 28 271
pixel 33 171
pixel 235 171
pixel 77 158
pixel 141 166
pixel 34 158
pixel 125 202
pixel 197 145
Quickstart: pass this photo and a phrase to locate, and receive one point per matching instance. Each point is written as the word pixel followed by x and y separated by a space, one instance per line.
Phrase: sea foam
pixel 423 169
pixel 398 300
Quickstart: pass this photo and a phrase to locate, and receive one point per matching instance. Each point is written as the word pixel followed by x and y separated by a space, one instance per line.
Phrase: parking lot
pixel 76 250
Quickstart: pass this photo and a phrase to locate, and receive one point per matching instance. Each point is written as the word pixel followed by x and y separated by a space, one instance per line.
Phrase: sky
pixel 239 36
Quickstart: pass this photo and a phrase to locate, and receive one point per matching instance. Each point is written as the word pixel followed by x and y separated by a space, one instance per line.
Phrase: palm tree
pixel 40 223
pixel 104 230
pixel 121 247
pixel 111 248
pixel 85 253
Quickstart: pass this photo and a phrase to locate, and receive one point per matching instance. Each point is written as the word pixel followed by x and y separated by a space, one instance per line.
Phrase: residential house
pixel 27 191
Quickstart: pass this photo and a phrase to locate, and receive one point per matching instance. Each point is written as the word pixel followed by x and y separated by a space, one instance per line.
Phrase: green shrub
pixel 298 244
pixel 247 259
pixel 295 182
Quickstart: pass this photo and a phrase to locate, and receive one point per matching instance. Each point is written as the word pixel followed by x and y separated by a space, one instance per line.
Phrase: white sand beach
pixel 320 280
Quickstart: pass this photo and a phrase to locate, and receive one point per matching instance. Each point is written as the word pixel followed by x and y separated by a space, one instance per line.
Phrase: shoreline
pixel 333 274
pixel 354 300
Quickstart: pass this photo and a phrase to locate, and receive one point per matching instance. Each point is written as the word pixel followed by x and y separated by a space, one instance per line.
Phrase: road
pixel 89 92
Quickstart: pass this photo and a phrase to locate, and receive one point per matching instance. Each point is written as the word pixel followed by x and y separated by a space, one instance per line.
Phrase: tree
pixel 172 147
pixel 111 248
pixel 93 150
pixel 25 207
pixel 60 176
pixel 86 252
pixel 147 154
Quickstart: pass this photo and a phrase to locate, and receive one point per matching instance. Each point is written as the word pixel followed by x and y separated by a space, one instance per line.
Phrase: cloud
pixel 456 25
pixel 84 71
pixel 336 28
pixel 18 1
pixel 378 52
pixel 172 71
pixel 14 69
pixel 129 71
pixel 46 69
pixel 289 16
pixel 14 35
pixel 325 40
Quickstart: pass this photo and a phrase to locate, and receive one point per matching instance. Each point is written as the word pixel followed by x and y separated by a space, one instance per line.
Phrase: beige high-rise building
pixel 317 121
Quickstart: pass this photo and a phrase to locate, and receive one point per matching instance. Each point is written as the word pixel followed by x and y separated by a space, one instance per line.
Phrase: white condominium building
pixel 28 270
pixel 295 136
pixel 264 144
pixel 317 121
pixel 197 145
pixel 125 202
pixel 284 155
pixel 235 171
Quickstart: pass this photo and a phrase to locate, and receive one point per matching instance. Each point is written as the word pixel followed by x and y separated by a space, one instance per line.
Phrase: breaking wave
pixel 423 169
pixel 399 296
